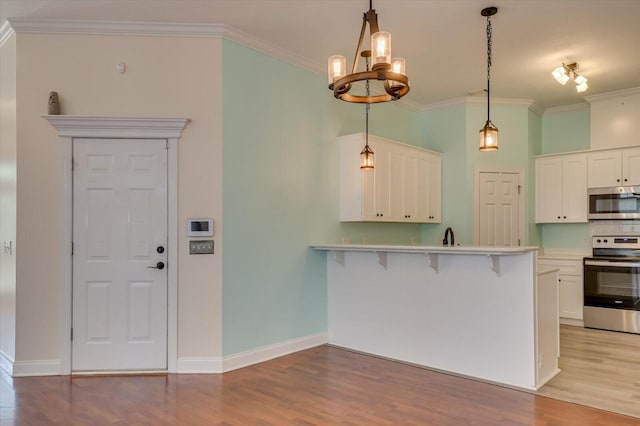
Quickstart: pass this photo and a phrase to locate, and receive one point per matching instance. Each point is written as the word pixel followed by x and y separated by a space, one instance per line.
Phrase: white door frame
pixel 522 229
pixel 70 127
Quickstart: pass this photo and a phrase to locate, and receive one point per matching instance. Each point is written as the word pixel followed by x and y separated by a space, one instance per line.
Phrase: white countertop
pixel 392 248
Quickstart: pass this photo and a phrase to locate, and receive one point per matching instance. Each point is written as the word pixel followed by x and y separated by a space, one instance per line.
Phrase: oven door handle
pixel 612 264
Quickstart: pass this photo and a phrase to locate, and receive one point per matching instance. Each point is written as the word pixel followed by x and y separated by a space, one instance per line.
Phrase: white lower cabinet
pixel 570 287
pixel 404 186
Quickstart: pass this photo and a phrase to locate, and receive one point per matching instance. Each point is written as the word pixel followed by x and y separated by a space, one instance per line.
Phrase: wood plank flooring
pixel 599 368
pixel 319 386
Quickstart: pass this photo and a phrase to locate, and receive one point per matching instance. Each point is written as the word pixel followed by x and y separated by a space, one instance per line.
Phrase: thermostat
pixel 199 227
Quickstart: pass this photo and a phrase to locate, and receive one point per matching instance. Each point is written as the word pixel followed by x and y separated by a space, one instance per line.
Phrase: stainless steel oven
pixel 618 202
pixel 612 284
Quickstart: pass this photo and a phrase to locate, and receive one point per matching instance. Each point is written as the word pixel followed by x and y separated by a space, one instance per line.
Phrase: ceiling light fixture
pixel 389 72
pixel 489 133
pixel 567 72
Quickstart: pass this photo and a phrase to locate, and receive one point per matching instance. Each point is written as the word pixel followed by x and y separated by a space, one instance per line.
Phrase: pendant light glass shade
pixel 560 74
pixel 366 158
pixel 380 50
pixel 337 68
pixel 489 137
pixel 398 66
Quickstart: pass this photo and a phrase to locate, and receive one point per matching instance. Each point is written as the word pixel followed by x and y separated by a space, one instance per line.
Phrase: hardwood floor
pixel 319 386
pixel 599 368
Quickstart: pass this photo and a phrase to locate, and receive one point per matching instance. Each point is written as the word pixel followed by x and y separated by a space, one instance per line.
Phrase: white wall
pixel 7 196
pixel 165 77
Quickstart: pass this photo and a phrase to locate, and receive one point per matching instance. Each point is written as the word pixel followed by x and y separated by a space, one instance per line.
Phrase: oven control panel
pixel 616 241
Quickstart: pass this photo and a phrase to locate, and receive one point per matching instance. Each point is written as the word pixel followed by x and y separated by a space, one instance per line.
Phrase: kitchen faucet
pixel 445 241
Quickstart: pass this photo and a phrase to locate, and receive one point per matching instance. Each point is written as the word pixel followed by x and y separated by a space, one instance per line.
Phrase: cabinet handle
pixel 565 217
pixel 558 217
pixel 617 180
pixel 626 180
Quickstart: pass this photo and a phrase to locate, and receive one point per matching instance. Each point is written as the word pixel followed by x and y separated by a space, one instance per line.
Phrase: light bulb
pixel 337 68
pixel 381 46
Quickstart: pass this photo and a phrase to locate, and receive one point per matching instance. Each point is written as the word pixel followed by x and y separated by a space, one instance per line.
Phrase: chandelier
pixel 489 133
pixel 390 73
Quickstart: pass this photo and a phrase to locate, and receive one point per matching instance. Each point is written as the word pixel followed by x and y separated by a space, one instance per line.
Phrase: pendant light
pixel 366 155
pixel 489 133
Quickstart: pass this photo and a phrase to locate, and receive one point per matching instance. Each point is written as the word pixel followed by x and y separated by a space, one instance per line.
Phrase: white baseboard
pixel 265 353
pixel 186 365
pixel 199 365
pixel 570 321
pixel 6 363
pixel 36 368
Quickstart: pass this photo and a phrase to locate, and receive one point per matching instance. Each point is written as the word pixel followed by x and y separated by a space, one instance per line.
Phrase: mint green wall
pixel 454 131
pixel 280 194
pixel 565 132
pixel 444 131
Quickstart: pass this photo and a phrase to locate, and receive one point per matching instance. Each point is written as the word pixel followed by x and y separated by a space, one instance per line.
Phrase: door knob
pixel 159 265
pixel 160 249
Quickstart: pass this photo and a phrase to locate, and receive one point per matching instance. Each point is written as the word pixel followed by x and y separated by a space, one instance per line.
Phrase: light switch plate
pixel 201 247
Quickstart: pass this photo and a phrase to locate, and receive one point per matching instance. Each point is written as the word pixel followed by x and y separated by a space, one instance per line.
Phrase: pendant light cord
pixel 488 66
pixel 368 89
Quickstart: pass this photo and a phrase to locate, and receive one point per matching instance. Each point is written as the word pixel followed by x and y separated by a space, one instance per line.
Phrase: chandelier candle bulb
pixel 381 46
pixel 397 66
pixel 337 68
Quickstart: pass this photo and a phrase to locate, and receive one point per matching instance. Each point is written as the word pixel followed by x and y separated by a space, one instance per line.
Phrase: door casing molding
pixel 73 126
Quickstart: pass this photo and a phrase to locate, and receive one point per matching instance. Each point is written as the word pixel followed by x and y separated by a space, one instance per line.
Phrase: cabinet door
pixel 549 189
pixel 435 189
pixel 396 182
pixel 631 166
pixel 381 175
pixel 574 188
pixel 604 169
pixel 570 296
pixel 410 186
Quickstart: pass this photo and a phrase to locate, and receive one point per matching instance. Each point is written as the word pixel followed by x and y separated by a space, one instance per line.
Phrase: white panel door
pixel 499 209
pixel 120 239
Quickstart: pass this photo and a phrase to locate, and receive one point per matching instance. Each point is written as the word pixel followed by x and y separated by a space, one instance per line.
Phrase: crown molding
pixel 67 26
pixel 247 40
pixel 162 29
pixel 480 100
pixel 6 31
pixel 612 95
pixel 567 108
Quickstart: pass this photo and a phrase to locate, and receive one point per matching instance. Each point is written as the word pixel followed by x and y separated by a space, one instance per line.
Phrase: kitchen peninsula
pixel 481 312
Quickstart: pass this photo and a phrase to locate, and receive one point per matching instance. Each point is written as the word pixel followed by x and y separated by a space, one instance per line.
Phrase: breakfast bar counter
pixel 481 312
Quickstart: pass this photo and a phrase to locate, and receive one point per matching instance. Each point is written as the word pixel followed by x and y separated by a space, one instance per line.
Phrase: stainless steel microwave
pixel 618 202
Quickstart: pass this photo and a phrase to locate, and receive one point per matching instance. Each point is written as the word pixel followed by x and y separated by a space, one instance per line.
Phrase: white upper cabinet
pixel 404 185
pixel 561 189
pixel 618 167
pixel 631 166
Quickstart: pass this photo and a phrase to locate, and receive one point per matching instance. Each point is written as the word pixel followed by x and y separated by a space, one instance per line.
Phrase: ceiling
pixel 443 41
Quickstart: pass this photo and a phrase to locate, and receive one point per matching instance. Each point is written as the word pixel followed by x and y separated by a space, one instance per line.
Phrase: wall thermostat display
pixel 199 227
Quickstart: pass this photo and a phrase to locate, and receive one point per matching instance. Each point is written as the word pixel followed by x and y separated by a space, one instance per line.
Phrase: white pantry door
pixel 119 255
pixel 499 215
